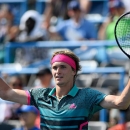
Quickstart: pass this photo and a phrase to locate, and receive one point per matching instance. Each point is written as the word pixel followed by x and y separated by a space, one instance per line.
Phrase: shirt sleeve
pixel 34 95
pixel 95 98
pixel 61 28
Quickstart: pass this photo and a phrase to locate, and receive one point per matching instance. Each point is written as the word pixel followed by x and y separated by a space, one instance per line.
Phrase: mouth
pixel 58 77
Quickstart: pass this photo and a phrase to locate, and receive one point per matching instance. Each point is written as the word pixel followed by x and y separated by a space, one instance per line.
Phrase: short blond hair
pixel 70 54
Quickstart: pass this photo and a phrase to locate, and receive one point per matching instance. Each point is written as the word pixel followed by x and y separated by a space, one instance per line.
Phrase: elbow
pixel 122 106
pixel 4 97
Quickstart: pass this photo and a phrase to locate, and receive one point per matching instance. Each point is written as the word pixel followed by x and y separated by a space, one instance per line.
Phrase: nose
pixel 58 70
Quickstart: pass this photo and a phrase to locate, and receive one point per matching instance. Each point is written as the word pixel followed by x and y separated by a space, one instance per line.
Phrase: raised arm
pixel 120 102
pixel 14 95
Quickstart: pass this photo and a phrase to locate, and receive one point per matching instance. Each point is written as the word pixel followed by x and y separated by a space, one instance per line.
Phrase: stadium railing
pixel 56 44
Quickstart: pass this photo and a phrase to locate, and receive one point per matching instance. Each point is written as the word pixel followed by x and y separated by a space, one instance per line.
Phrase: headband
pixel 64 58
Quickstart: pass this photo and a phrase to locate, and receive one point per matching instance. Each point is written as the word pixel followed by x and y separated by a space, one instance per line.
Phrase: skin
pixel 75 14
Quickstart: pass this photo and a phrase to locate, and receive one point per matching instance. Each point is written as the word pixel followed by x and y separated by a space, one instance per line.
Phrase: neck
pixel 77 19
pixel 63 90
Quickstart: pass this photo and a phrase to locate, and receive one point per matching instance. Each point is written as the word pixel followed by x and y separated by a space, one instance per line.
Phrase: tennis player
pixel 65 107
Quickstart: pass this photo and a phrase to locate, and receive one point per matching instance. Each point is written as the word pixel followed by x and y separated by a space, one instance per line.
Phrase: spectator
pixel 27 115
pixel 114 117
pixel 106 30
pixel 53 7
pixel 30 31
pixel 121 125
pixel 30 27
pixel 44 78
pixel 12 34
pixel 6 21
pixel 15 82
pixel 77 27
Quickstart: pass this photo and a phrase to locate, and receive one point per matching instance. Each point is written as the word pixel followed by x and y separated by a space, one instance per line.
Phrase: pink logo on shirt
pixel 72 106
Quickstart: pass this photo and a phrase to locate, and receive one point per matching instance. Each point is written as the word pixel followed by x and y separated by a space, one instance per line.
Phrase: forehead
pixel 59 64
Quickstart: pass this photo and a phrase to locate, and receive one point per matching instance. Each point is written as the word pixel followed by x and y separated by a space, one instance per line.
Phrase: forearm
pixel 18 96
pixel 124 99
pixel 14 95
pixel 48 11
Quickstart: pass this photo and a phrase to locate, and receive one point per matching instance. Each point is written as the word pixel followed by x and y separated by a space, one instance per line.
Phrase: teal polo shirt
pixel 72 112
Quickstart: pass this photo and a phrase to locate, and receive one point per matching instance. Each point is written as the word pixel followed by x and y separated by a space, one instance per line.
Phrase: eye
pixel 62 66
pixel 54 68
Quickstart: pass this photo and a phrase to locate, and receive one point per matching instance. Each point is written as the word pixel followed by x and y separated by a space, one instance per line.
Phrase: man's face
pixel 62 73
pixel 16 83
pixel 74 13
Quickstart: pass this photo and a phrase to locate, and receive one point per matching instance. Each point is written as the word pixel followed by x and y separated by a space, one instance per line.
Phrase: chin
pixel 59 83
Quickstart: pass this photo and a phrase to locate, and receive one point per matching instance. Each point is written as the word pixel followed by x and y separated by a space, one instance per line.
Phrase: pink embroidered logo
pixel 58 57
pixel 72 106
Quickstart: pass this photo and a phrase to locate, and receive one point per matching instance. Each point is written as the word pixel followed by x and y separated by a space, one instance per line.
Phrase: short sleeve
pixel 60 28
pixel 34 95
pixel 95 98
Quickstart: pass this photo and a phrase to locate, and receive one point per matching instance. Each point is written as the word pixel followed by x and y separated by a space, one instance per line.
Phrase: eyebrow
pixel 59 65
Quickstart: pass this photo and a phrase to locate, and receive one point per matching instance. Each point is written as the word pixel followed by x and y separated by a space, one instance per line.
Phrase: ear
pixel 73 71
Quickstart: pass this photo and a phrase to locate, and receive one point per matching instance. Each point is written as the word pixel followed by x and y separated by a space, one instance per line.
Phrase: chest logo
pixel 72 106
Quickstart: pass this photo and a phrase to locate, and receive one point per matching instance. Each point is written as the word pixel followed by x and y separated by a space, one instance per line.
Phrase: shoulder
pixel 91 92
pixel 38 91
pixel 64 23
pixel 88 89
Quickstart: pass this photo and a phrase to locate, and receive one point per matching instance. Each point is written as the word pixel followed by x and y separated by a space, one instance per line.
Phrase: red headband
pixel 64 58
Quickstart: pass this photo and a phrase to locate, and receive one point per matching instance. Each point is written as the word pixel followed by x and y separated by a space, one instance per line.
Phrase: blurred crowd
pixel 61 20
pixel 58 22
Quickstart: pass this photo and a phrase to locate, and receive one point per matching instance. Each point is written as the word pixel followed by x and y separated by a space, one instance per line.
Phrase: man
pixel 77 27
pixel 27 115
pixel 65 106
pixel 44 77
pixel 53 6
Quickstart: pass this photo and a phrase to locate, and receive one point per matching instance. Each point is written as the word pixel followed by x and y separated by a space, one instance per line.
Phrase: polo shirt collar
pixel 72 92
